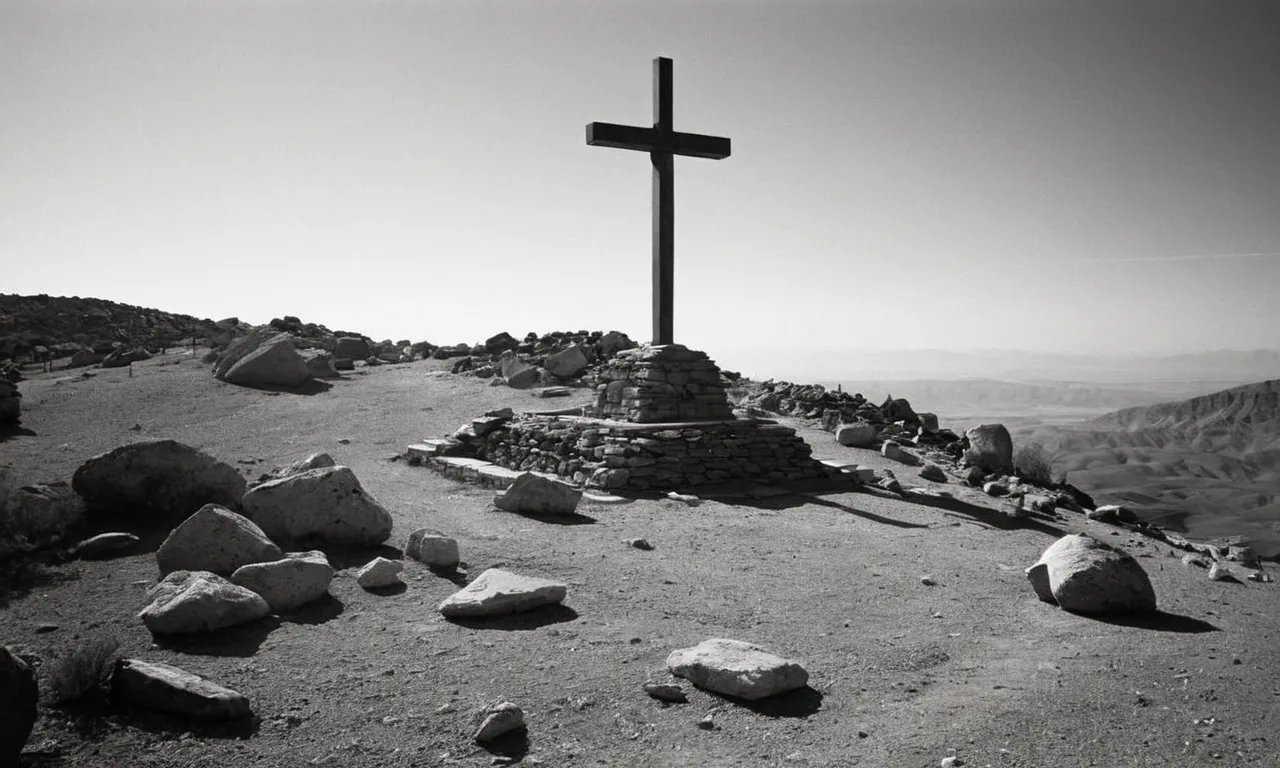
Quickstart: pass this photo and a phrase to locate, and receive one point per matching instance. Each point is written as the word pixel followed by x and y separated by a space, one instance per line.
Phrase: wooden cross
pixel 662 143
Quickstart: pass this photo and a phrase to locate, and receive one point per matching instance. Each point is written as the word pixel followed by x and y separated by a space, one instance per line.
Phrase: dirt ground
pixel 901 673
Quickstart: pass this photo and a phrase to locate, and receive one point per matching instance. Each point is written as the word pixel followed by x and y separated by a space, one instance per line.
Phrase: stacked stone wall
pixel 668 383
pixel 617 456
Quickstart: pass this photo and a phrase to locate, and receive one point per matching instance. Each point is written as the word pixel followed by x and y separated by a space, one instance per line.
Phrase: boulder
pixel 322 506
pixel 379 572
pixel 344 364
pixel 85 357
pixel 892 450
pixel 104 544
pixel 273 363
pixel 523 378
pixel 738 669
pixel 185 602
pixel 289 583
pixel 928 423
pixel 614 342
pixel 1084 575
pixel 857 435
pixel 995 488
pixel 538 495
pixel 990 448
pixel 497 592
pixel 215 539
pixel 351 347
pixel 157 477
pixel 320 364
pixel 499 343
pixel 934 473
pixel 35 516
pixel 567 363
pixel 18 705
pixel 165 688
pixel 432 548
pixel 497 720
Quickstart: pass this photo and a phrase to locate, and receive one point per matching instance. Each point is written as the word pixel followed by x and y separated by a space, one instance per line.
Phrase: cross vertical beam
pixel 663 143
pixel 664 207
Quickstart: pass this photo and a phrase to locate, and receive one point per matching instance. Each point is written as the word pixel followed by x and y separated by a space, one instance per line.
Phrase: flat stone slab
pixel 497 592
pixel 738 669
pixel 169 689
pixel 605 498
pixel 379 572
pixel 199 601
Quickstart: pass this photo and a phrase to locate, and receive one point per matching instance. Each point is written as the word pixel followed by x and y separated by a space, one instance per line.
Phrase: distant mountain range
pixel 1209 465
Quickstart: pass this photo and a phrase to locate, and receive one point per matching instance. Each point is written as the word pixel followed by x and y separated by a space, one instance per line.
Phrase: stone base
pixel 655 384
pixel 639 457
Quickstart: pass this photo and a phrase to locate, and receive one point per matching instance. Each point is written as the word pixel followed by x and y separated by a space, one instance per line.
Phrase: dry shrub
pixel 81 671
pixel 1034 464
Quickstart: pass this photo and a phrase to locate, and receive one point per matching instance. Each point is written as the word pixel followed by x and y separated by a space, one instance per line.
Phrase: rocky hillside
pixel 1208 464
pixel 65 325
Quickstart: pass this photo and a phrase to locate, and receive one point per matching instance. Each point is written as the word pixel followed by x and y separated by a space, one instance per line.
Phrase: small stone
pixel 933 473
pixel 498 719
pixel 995 488
pixel 44 629
pixel 707 723
pixel 433 549
pixel 669 692
pixel 639 544
pixel 380 572
pixel 951 762
pixel 738 669
pixel 928 581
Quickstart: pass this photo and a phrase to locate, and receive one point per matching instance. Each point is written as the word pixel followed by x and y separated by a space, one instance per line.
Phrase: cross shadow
pixel 990 517
pixel 519 622
pixel 312 386
pixel 800 702
pixel 572 519
pixel 23 575
pixel 1161 621
pixel 242 640
pixel 873 517
pixel 455 575
pixel 513 745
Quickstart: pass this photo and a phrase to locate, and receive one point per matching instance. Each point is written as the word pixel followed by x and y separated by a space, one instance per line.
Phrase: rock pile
pixel 554 358
pixel 614 455
pixel 664 383
pixel 836 410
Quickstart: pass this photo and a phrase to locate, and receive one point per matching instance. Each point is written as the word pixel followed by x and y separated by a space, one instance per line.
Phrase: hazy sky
pixel 1063 177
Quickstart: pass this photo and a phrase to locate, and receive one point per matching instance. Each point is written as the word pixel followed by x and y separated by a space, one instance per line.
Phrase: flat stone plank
pixel 497 592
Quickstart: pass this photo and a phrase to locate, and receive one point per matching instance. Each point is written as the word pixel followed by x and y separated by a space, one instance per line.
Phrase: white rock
pixel 291 582
pixel 497 592
pixel 432 548
pixel 105 543
pixel 995 488
pixel 498 719
pixel 318 460
pixel 859 435
pixel 892 450
pixel 537 495
pixel 738 669
pixel 274 363
pixel 215 539
pixel 379 572
pixel 319 506
pixel 1083 575
pixel 199 601
pixel 169 689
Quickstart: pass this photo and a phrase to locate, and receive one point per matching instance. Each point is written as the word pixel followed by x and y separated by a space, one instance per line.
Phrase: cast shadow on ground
pixel 987 516
pixel 309 387
pixel 342 559
pixel 326 608
pixel 399 588
pixel 518 622
pixel 242 640
pixel 9 431
pixel 1161 621
pixel 873 517
pixel 575 518
pixel 455 575
pixel 513 745
pixel 98 715
pixel 23 575
pixel 801 702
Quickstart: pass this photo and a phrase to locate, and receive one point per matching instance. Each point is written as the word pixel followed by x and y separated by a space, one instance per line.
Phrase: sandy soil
pixel 902 674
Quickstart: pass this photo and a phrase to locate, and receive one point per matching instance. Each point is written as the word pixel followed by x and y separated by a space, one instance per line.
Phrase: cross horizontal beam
pixel 651 140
